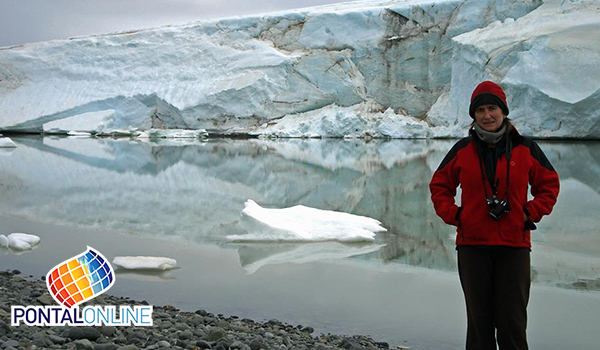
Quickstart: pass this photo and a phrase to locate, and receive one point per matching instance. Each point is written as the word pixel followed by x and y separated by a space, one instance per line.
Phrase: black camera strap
pixel 494 185
pixel 508 156
pixel 482 168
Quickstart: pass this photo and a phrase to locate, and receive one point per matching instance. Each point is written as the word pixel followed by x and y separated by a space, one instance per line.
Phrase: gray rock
pixel 186 335
pixel 383 344
pixel 181 327
pixel 128 347
pixel 107 346
pixel 42 342
pixel 108 331
pixel 120 339
pixel 56 339
pixel 201 313
pixel 181 343
pixel 222 324
pixel 239 345
pixel 90 333
pixel 160 314
pixel 257 343
pixel 216 334
pixel 84 344
pixel 11 342
pixel 351 344
pixel 163 344
pixel 203 345
pixel 308 330
pixel 165 325
pixel 197 320
pixel 4 328
pixel 39 335
pixel 135 334
pixel 45 299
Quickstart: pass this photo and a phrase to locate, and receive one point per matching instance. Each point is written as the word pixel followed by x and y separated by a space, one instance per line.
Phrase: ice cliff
pixel 399 69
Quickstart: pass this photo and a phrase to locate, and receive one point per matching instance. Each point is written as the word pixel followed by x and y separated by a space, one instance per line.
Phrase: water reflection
pixel 145 276
pixel 194 192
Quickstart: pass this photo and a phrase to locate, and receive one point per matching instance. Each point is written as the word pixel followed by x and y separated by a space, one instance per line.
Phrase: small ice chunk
pixel 145 263
pixel 19 241
pixel 6 142
pixel 79 133
pixel 173 134
pixel 304 224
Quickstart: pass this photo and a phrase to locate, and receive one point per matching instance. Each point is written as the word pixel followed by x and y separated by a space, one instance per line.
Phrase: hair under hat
pixel 485 93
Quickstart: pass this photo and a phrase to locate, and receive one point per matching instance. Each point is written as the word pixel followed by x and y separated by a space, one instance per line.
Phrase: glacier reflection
pixel 194 192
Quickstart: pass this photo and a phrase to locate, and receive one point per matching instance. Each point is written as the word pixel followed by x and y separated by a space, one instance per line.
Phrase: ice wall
pixel 403 68
pixel 547 61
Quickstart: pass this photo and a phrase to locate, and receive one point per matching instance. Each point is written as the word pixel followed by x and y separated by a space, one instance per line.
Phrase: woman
pixel 494 166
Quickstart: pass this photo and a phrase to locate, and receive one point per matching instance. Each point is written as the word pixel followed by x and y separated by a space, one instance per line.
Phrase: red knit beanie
pixel 486 93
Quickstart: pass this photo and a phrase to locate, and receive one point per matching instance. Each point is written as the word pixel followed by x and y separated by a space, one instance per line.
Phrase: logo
pixel 74 281
pixel 80 278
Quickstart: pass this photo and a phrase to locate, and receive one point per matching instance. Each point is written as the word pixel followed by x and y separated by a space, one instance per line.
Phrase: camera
pixel 498 207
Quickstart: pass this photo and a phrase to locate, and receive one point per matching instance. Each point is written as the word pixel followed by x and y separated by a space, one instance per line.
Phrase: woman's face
pixel 489 117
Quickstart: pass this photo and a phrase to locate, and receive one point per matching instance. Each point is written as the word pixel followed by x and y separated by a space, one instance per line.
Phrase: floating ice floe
pixel 173 134
pixel 304 224
pixel 6 142
pixel 19 241
pixel 145 263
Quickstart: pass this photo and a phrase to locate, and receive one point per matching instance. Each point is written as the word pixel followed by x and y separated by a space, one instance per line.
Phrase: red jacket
pixel 461 166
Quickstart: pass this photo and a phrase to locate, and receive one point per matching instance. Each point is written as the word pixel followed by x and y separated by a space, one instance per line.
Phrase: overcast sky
pixel 25 21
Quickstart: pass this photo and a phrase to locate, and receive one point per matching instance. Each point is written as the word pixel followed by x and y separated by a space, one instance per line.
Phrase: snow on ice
pixel 304 224
pixel 144 263
pixel 19 241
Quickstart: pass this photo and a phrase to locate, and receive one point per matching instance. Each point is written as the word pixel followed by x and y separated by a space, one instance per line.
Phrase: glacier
pixel 381 69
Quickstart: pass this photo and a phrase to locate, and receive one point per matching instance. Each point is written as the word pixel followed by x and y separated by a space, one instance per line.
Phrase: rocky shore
pixel 172 329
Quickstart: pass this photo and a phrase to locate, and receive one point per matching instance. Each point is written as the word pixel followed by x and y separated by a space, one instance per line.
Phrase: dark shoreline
pixel 172 329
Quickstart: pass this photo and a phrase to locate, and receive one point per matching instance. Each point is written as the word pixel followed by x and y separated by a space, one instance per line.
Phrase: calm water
pixel 180 199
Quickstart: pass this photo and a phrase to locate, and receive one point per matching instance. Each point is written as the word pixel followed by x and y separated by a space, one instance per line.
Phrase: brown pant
pixel 496 283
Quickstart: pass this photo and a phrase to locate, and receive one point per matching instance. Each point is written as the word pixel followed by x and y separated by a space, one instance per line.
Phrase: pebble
pixel 56 339
pixel 84 344
pixel 185 335
pixel 107 330
pixel 216 334
pixel 106 346
pixel 89 333
pixel 128 347
pixel 46 299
